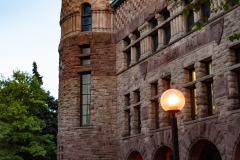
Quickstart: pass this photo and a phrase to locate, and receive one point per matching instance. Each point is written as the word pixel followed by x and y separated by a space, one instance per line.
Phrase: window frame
pixel 193 97
pixel 85 5
pixel 210 98
pixel 81 100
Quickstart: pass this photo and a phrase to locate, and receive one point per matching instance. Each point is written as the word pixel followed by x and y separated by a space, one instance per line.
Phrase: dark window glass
pixel 155 42
pixel 87 10
pixel 157 114
pixel 139 119
pixel 154 22
pixel 85 99
pixel 209 68
pixel 165 13
pixel 127 40
pixel 128 58
pixel 205 11
pixel 211 101
pixel 86 18
pixel 238 80
pixel 137 95
pixel 154 88
pixel 137 33
pixel 86 61
pixel 167 32
pixel 138 50
pixel 85 50
pixel 87 28
pixel 87 21
pixel 193 103
pixel 190 21
pixel 237 53
pixel 128 121
pixel 127 99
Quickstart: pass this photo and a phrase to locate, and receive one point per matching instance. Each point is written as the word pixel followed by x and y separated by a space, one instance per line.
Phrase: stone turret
pixel 87 125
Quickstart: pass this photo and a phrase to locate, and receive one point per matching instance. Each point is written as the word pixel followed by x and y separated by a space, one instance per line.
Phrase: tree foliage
pixel 22 132
pixel 195 5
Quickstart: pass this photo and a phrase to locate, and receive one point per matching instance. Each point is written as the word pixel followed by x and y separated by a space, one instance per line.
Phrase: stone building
pixel 117 57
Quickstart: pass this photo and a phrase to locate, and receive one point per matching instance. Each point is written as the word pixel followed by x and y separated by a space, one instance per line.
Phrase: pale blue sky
pixel 30 31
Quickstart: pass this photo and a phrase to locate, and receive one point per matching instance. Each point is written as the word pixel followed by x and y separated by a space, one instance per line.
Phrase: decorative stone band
pixel 214 33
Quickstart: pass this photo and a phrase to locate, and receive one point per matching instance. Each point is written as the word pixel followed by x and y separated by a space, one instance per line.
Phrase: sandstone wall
pixel 97 141
pixel 214 128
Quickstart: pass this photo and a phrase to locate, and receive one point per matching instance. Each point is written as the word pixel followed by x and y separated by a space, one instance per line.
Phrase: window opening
pixel 87 18
pixel 85 99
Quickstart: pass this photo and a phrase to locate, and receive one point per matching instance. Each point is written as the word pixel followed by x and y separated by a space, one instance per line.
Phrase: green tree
pixel 21 101
pixel 195 5
pixel 36 74
pixel 48 115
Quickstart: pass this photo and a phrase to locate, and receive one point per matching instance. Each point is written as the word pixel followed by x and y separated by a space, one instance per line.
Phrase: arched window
pixel 86 18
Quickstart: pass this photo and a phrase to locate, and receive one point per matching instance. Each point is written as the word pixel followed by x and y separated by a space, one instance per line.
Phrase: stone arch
pixel 233 139
pixel 158 140
pixel 162 153
pixel 236 152
pixel 132 145
pixel 202 130
pixel 134 155
pixel 203 149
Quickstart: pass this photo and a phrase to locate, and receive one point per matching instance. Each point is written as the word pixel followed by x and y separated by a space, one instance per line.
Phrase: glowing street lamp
pixel 173 101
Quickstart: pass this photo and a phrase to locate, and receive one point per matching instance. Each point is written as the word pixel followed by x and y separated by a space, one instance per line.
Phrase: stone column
pixel 133 49
pixel 233 92
pixel 163 115
pixel 146 43
pixel 201 91
pixel 160 19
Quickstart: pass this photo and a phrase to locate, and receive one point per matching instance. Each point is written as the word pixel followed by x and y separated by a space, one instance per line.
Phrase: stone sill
pixel 191 84
pixel 131 136
pixel 84 55
pixel 235 67
pixel 132 106
pixel 160 129
pixel 84 127
pixel 154 98
pixel 198 120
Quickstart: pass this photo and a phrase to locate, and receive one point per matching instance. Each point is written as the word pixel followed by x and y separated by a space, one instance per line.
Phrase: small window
pixel 156 104
pixel 137 96
pixel 154 22
pixel 128 121
pixel 205 11
pixel 155 41
pixel 127 99
pixel 138 50
pixel 190 21
pixel 167 33
pixel 237 54
pixel 127 41
pixel 154 88
pixel 192 75
pixel 137 33
pixel 86 18
pixel 128 54
pixel 238 80
pixel 209 68
pixel 211 100
pixel 193 95
pixel 85 99
pixel 165 13
pixel 85 61
pixel 138 110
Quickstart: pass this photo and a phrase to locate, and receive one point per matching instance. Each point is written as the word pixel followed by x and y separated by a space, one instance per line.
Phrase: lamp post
pixel 173 101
